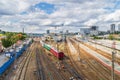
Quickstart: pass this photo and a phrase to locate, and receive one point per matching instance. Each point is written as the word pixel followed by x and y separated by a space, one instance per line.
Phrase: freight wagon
pixel 56 53
pixel 18 53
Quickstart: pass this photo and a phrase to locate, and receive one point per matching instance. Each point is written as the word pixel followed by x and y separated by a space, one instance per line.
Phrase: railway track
pixel 70 69
pixel 24 70
pixel 105 54
pixel 102 45
pixel 21 73
pixel 45 69
pixel 66 73
pixel 103 72
pixel 94 68
pixel 31 70
pixel 20 63
pixel 41 74
pixel 67 63
pixel 54 73
pixel 75 70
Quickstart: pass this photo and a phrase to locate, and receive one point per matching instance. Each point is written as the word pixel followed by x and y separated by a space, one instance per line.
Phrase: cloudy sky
pixel 39 15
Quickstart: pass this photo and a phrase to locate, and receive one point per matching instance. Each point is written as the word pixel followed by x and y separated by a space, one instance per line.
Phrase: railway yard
pixel 82 61
pixel 59 40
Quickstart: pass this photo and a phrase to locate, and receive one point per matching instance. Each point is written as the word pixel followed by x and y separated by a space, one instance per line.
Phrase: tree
pixel 6 42
pixel 21 36
pixel 111 37
pixel 11 38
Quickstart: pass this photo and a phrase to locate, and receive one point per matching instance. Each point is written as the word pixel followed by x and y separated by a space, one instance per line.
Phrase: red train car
pixel 56 53
pixel 61 55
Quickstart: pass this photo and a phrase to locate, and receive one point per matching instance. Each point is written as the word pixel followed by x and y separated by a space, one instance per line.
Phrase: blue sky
pixel 117 5
pixel 48 8
pixel 41 15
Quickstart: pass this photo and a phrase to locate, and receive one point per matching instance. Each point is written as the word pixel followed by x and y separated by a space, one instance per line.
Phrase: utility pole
pixel 96 44
pixel 113 60
pixel 78 49
pixel 56 37
pixel 78 52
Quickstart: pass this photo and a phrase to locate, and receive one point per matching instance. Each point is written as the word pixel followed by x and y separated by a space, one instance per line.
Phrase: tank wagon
pixel 55 52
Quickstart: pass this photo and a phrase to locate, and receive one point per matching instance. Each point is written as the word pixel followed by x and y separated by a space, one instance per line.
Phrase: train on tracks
pixel 56 53
pixel 14 55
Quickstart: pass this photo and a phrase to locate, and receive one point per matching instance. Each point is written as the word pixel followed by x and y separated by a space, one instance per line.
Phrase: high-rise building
pixel 23 30
pixel 48 31
pixel 94 30
pixel 61 32
pixel 67 31
pixel 118 27
pixel 112 30
pixel 84 31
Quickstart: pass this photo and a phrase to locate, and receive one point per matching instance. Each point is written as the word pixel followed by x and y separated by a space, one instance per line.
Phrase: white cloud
pixel 113 16
pixel 90 22
pixel 12 7
pixel 33 28
pixel 70 12
pixel 23 6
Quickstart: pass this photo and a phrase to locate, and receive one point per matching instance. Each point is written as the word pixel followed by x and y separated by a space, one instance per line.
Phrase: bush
pixel 96 37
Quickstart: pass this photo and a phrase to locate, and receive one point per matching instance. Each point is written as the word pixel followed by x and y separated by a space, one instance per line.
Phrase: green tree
pixel 11 38
pixel 111 37
pixel 6 42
